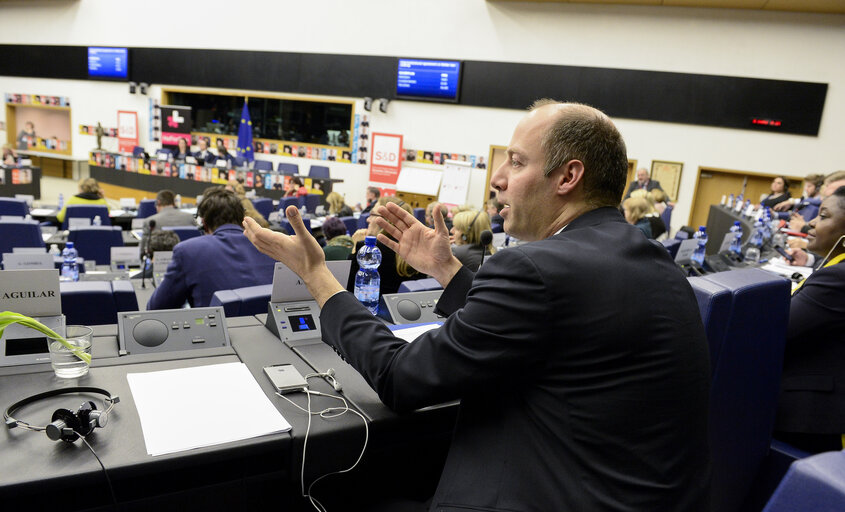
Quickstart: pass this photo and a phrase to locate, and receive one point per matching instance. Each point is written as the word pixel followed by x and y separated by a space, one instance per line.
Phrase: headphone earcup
pixel 64 426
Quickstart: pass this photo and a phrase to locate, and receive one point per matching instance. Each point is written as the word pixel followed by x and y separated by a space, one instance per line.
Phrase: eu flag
pixel 245 136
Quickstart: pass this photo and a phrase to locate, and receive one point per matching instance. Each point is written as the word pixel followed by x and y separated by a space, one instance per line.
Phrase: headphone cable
pixel 106 473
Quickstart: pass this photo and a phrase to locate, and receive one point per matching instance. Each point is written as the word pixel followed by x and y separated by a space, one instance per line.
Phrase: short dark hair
pixel 785 183
pixel 333 227
pixel 839 194
pixel 166 198
pixel 815 179
pixel 584 133
pixel 163 240
pixel 220 206
pixel 374 191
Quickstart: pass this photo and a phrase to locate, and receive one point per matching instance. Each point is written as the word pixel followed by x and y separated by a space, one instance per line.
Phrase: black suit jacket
pixel 812 396
pixel 582 369
pixel 651 185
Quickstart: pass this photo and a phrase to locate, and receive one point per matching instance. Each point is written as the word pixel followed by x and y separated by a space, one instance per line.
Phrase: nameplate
pixel 124 257
pixel 726 242
pixel 685 251
pixel 138 223
pixel 78 222
pixel 161 259
pixel 28 261
pixel 31 292
pixel 11 217
pixel 288 287
pixel 29 250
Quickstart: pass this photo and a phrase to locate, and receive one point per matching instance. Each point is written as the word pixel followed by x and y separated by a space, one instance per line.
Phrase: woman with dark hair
pixel 338 244
pixel 296 188
pixel 810 412
pixel 223 153
pixel 182 150
pixel 780 192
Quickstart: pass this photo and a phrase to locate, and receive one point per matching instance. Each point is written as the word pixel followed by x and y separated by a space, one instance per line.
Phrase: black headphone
pixel 66 425
pixel 469 228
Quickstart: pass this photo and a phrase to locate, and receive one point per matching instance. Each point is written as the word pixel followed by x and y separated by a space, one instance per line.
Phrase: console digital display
pixel 108 63
pixel 437 80
pixel 301 323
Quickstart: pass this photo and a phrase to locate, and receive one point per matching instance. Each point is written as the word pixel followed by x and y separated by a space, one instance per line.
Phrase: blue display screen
pixel 428 79
pixel 108 62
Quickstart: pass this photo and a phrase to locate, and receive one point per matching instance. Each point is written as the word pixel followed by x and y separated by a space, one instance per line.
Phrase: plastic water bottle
pixel 755 242
pixel 178 200
pixel 54 250
pixel 61 201
pixel 736 243
pixel 730 203
pixel 738 205
pixel 70 271
pixel 698 253
pixel 97 221
pixel 367 280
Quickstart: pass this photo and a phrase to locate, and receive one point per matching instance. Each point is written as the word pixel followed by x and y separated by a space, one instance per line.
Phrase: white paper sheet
pixel 177 407
pixel 410 332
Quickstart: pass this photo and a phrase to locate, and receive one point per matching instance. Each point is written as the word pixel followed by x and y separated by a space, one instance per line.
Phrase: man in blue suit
pixel 223 260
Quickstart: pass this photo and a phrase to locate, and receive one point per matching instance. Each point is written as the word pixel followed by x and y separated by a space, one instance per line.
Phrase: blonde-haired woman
pixel 466 234
pixel 90 193
pixel 636 209
pixel 337 206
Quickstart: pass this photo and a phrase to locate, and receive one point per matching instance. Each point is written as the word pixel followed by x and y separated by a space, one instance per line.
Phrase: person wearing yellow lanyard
pixel 811 409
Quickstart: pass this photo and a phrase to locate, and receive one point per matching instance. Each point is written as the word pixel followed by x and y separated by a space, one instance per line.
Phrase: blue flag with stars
pixel 245 136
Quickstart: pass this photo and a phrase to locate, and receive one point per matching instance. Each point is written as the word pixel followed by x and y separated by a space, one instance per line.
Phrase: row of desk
pixel 404 455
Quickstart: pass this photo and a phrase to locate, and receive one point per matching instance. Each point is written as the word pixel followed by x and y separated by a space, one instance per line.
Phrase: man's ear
pixel 568 177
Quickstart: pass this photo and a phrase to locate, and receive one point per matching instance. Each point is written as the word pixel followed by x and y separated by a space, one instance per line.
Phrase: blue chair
pixel 96 302
pixel 264 205
pixel 666 217
pixel 95 242
pixel 319 172
pixel 288 201
pixel 251 300
pixel 87 211
pixel 672 245
pixel 146 208
pixel 184 232
pixel 262 165
pixel 815 484
pixel 497 228
pixel 746 363
pixel 362 220
pixel 289 169
pixel 312 201
pixel 419 213
pixel 11 206
pixel 419 285
pixel 286 224
pixel 164 151
pixel 682 235
pixel 351 224
pixel 19 233
pixel 138 151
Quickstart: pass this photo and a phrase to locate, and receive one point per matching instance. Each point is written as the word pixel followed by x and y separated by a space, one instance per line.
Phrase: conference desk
pixel 405 452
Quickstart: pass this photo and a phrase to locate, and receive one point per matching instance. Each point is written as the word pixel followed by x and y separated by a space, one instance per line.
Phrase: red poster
pixel 386 161
pixel 127 131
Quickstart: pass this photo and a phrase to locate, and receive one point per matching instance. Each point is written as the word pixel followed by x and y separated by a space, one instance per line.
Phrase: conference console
pixel 172 330
pixel 410 308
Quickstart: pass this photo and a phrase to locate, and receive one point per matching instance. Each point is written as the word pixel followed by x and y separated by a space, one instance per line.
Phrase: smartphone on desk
pixel 286 378
pixel 782 252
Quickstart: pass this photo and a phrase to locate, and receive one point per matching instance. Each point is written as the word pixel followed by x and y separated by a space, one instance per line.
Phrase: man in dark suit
pixel 223 260
pixel 166 215
pixel 577 391
pixel 373 194
pixel 204 155
pixel 642 182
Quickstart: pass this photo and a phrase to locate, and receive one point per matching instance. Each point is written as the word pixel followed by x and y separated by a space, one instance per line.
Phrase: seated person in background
pixel 429 212
pixel 780 192
pixel 223 153
pixel 660 198
pixel 223 260
pixel 493 209
pixel 182 150
pixel 466 233
pixel 160 240
pixel 295 188
pixel 90 193
pixel 635 209
pixel 810 414
pixel 831 182
pixel 26 137
pixel 166 215
pixel 393 269
pixel 337 206
pixel 338 244
pixel 9 155
pixel 643 182
pixel 373 194
pixel 658 228
pixel 204 155
pixel 249 208
pixel 812 189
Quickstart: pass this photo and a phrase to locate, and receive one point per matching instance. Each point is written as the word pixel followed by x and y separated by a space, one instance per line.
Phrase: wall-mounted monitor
pixel 108 63
pixel 424 79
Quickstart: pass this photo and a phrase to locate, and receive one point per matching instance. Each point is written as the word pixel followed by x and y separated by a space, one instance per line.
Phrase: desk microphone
pixel 486 239
pixel 146 256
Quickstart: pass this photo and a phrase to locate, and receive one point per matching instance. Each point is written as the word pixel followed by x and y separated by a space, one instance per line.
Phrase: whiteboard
pixel 419 181
pixel 454 187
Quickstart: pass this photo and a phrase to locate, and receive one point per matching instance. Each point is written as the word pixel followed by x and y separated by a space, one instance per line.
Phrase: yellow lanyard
pixel 833 261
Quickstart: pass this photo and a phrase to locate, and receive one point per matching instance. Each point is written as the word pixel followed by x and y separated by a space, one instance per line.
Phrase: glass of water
pixel 71 363
pixel 752 255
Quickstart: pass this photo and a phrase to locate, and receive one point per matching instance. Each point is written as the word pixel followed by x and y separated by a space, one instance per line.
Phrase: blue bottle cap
pixel 370 241
pixel 69 245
